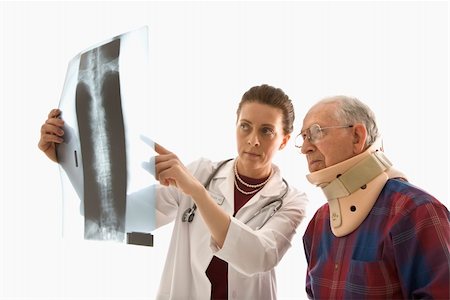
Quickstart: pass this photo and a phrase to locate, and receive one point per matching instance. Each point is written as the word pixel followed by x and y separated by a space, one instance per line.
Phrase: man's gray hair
pixel 351 110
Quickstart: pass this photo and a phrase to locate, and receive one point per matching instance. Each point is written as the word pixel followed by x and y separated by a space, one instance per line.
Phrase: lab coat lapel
pixel 225 183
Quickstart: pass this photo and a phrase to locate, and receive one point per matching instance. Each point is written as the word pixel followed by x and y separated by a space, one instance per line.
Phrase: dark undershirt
pixel 217 270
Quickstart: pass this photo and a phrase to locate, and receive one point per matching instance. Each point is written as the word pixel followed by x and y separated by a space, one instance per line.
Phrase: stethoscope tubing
pixel 189 213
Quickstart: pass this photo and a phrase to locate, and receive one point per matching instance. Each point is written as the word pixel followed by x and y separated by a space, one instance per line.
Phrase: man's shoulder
pixel 401 189
pixel 402 197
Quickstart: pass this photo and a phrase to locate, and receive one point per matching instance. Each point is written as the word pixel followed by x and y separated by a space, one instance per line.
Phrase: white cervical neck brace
pixel 352 187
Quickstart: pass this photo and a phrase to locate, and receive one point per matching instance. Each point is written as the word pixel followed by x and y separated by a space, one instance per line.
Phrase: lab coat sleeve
pixel 155 205
pixel 252 251
pixel 169 198
pixel 151 207
pixel 168 201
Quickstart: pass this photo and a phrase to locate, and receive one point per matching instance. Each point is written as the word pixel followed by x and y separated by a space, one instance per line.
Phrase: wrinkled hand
pixel 51 134
pixel 171 171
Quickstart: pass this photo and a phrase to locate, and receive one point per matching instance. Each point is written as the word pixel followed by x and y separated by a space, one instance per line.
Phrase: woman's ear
pixel 284 142
pixel 359 138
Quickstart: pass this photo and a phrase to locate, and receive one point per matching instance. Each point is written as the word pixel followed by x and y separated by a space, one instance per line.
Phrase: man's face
pixel 335 144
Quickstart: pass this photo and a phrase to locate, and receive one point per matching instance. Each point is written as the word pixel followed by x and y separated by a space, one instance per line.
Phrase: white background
pixel 203 57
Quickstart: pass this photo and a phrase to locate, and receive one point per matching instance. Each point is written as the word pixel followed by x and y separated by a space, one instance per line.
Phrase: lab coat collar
pixel 272 188
pixel 226 187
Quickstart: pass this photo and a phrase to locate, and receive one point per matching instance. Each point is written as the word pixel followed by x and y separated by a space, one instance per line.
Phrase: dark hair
pixel 275 97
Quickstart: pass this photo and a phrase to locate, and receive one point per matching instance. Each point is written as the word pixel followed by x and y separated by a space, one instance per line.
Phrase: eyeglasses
pixel 314 134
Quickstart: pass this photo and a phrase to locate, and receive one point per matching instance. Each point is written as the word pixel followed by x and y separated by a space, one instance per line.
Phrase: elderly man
pixel 378 236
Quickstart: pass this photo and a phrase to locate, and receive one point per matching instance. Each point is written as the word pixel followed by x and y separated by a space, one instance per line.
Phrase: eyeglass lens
pixel 313 134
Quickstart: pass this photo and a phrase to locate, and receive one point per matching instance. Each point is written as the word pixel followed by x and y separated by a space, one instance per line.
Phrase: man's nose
pixel 307 146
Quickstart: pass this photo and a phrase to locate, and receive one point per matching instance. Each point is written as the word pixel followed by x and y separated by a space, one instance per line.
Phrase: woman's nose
pixel 253 139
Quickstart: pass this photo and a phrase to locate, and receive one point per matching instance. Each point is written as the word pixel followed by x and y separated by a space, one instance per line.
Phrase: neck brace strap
pixel 357 176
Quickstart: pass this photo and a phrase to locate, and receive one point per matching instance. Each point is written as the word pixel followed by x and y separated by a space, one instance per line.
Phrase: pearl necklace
pixel 257 187
pixel 244 192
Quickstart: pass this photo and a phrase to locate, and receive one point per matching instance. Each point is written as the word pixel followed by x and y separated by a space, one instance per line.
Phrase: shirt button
pixel 336 266
pixel 234 295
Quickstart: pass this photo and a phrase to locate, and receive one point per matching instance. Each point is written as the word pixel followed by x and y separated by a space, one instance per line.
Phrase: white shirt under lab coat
pixel 251 254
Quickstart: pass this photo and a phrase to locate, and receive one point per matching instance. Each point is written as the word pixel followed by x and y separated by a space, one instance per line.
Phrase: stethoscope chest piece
pixel 189 214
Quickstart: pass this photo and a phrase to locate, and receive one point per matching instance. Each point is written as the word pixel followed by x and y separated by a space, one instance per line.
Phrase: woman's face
pixel 259 134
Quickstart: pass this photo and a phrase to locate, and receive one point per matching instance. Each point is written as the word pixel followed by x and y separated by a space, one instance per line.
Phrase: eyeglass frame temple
pixel 321 128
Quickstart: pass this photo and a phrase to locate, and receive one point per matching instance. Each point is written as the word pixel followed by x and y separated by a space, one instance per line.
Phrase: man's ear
pixel 284 142
pixel 359 138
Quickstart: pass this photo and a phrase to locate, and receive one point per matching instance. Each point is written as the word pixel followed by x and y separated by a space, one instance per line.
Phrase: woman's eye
pixel 244 126
pixel 267 131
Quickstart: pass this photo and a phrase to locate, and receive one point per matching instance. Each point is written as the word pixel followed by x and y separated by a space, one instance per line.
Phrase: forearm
pixel 215 217
pixel 263 248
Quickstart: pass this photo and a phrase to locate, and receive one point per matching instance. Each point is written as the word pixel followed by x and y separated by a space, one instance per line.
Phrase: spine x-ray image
pixel 102 140
pixel 102 153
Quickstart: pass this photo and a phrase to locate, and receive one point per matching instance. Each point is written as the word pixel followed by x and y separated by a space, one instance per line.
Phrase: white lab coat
pixel 251 254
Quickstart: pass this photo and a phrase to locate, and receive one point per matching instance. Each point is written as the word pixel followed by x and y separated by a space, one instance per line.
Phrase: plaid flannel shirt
pixel 400 251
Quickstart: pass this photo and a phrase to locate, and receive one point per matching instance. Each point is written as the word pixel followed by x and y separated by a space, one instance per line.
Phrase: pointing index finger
pixel 161 150
pixel 158 148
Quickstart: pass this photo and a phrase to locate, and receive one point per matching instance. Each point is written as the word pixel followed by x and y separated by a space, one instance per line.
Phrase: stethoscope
pixel 270 208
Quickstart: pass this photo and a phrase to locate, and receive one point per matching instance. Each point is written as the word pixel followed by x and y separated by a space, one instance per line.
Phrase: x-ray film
pixel 104 105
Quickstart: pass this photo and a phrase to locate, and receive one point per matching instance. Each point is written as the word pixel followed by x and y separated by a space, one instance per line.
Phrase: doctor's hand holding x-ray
pixel 235 219
pixel 51 134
